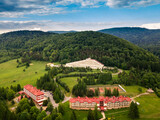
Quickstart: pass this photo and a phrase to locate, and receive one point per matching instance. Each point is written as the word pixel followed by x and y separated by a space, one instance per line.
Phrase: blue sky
pixel 78 15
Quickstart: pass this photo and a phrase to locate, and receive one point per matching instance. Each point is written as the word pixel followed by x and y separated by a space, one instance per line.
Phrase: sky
pixel 79 15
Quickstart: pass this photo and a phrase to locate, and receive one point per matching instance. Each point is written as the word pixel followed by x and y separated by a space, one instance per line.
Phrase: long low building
pixel 34 93
pixel 92 63
pixel 103 103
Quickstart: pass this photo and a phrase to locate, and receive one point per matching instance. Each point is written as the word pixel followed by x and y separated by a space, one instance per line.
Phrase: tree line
pixel 143 78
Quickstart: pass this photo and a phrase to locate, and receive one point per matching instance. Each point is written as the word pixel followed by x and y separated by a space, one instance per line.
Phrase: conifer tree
pixel 136 111
pixel 96 92
pixel 19 87
pixel 73 115
pixel 90 115
pixel 105 92
pixel 117 92
pixel 96 113
pixel 114 92
pixel 109 92
pixel 32 103
pixel 133 111
pixel 61 109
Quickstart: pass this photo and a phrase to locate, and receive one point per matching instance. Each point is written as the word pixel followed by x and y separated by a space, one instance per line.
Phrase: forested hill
pixel 108 49
pixel 62 32
pixel 146 38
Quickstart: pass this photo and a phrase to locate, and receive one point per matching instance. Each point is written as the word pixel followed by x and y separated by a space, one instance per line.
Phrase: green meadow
pixel 11 75
pixel 149 107
pixel 133 90
pixel 70 81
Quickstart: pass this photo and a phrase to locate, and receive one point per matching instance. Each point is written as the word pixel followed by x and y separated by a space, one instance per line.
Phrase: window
pixel 101 103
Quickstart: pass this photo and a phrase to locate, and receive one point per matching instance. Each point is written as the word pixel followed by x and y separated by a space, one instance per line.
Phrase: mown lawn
pixel 70 81
pixel 10 73
pixel 132 90
pixel 81 114
pixel 117 114
pixel 149 107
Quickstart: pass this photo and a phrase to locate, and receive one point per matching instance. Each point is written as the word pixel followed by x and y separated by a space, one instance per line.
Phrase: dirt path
pixel 104 117
pixel 119 71
pixel 146 93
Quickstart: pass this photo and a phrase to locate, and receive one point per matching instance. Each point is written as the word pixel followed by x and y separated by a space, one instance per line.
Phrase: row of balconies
pixel 108 105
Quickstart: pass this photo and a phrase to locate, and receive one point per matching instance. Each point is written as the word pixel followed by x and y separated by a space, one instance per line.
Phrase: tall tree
pixel 90 115
pixel 41 115
pixel 73 115
pixel 61 108
pixel 96 113
pixel 19 87
pixel 133 111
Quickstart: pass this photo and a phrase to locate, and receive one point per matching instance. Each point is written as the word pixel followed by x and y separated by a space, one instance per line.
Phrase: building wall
pixel 109 105
pixel 37 99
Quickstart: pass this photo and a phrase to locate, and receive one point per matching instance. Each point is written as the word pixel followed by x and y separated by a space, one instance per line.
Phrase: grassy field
pixel 132 90
pixel 149 107
pixel 81 114
pixel 70 81
pixel 117 114
pixel 9 73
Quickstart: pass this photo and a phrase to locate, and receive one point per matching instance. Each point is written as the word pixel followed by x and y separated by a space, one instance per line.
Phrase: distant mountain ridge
pixel 146 38
pixel 62 32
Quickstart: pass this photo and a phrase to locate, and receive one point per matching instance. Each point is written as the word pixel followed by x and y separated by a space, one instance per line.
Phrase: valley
pixel 64 74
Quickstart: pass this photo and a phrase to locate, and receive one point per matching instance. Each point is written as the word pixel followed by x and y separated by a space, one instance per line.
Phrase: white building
pixel 92 63
pixel 34 93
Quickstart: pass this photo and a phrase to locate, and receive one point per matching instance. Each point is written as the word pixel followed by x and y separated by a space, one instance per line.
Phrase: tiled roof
pixel 33 90
pixel 101 98
pixel 21 92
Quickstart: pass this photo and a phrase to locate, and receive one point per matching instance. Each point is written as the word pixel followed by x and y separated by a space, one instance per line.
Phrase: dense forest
pixel 108 49
pixel 146 38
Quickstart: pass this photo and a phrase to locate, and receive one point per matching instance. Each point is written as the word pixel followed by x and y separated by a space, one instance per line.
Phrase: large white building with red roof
pixel 34 93
pixel 103 103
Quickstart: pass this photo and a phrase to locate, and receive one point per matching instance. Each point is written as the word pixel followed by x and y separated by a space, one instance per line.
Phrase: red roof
pixel 98 62
pixel 101 107
pixel 21 92
pixel 101 98
pixel 101 90
pixel 33 90
pixel 92 89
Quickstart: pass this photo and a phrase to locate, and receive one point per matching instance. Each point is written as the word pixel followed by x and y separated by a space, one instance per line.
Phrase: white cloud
pixel 110 3
pixel 17 8
pixel 55 26
pixel 131 3
pixel 151 26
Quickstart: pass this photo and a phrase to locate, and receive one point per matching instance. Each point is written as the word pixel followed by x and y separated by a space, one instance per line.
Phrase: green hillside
pixel 108 49
pixel 146 38
pixel 11 75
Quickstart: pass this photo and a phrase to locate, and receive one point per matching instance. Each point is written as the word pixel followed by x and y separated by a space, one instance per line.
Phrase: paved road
pixel 104 117
pixel 66 99
pixel 48 94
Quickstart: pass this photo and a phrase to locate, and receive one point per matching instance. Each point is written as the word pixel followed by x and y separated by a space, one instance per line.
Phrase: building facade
pixel 92 63
pixel 34 93
pixel 102 103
